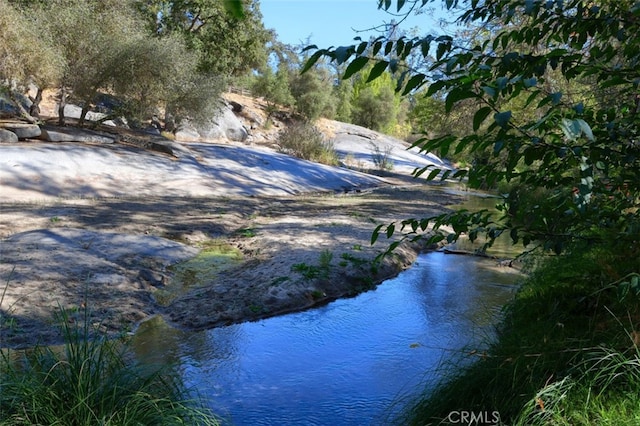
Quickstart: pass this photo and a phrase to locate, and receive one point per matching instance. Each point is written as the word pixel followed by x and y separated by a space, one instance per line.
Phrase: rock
pixel 252 118
pixel 74 111
pixel 22 130
pixel 7 136
pixel 187 134
pixel 224 126
pixel 71 134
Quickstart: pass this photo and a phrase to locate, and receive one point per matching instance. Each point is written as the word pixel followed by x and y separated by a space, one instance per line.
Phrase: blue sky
pixel 333 22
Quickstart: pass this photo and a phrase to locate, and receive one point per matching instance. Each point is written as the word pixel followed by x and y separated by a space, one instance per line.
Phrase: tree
pixel 580 147
pixel 87 47
pixel 228 44
pixel 152 75
pixel 274 87
pixel 27 55
pixel 376 105
pixel 313 92
pixel 89 36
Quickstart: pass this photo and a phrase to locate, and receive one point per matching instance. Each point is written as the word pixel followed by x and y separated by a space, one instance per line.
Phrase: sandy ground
pixel 213 235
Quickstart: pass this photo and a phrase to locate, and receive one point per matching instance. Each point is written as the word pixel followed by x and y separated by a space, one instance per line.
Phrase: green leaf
pixel 489 91
pixel 455 95
pixel 342 53
pixel 442 49
pixel 433 174
pixel 375 234
pixel 585 129
pixel 377 70
pixel 400 4
pixel 502 118
pixel 573 129
pixel 623 290
pixel 312 60
pixel 480 116
pixel 376 47
pixel 391 228
pixel 415 81
pixel 356 65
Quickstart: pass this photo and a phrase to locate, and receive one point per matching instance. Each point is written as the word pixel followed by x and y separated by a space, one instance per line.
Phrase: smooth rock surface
pixel 7 136
pixel 22 130
pixel 72 134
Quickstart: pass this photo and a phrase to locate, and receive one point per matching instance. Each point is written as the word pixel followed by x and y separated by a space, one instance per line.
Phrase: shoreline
pixel 281 241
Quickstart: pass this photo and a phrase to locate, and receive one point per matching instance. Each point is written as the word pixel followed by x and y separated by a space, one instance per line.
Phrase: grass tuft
pixel 91 380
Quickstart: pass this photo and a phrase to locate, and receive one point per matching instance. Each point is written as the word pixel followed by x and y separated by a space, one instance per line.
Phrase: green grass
pixel 91 380
pixel 566 352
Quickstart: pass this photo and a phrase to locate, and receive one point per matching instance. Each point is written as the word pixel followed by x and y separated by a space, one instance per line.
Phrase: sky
pixel 334 22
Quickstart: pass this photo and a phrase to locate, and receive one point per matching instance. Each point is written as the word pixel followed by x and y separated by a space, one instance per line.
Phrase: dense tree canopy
pixel 228 44
pixel 554 90
pixel 84 48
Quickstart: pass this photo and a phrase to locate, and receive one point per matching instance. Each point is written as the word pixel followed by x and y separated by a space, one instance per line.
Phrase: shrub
pixel 381 157
pixel 304 141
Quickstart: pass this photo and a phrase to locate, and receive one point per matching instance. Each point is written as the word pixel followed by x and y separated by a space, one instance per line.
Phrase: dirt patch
pixel 115 255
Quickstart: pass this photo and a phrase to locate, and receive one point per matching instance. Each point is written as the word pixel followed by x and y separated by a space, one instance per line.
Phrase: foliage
pixel 554 86
pixel 92 381
pixel 565 354
pixel 304 140
pixel 227 44
pixel 87 47
pixel 313 93
pixel 274 87
pixel 375 105
pixel 152 74
pixel 89 36
pixel 27 54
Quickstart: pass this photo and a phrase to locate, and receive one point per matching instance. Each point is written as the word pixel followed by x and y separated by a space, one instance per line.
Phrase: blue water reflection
pixel 351 362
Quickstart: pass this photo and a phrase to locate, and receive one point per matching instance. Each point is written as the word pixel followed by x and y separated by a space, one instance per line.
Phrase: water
pixel 352 362
pixel 502 247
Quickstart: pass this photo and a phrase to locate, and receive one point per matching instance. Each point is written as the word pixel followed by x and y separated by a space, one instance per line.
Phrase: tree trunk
pixel 23 112
pixel 83 114
pixel 34 109
pixel 61 104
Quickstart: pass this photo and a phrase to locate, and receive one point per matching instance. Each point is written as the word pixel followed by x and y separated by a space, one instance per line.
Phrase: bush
pixel 381 157
pixel 304 141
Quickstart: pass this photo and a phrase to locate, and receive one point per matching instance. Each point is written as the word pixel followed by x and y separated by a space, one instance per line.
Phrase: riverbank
pixel 293 253
pixel 210 234
pixel 566 353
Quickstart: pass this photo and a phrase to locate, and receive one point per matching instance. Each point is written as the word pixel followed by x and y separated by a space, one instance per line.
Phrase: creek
pixel 354 361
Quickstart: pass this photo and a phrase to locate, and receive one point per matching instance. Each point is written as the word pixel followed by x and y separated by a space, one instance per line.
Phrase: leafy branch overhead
pixel 553 89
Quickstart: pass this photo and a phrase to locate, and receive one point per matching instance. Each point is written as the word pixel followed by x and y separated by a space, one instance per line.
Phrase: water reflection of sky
pixel 350 362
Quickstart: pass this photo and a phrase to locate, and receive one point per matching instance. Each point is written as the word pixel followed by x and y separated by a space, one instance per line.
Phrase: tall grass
pixel 91 381
pixel 566 354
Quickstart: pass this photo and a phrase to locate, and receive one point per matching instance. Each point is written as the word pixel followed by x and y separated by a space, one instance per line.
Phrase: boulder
pixel 7 136
pixel 74 111
pixel 225 125
pixel 22 130
pixel 252 118
pixel 186 133
pixel 71 134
